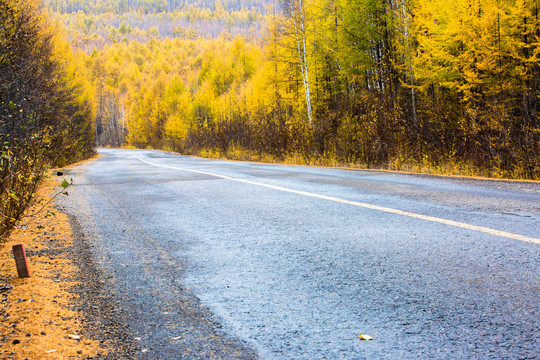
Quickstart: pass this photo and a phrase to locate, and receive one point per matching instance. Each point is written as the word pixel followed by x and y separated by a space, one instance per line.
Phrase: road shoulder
pixel 61 310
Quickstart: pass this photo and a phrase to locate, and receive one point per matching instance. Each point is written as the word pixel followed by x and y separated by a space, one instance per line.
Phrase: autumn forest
pixel 437 86
pixel 449 86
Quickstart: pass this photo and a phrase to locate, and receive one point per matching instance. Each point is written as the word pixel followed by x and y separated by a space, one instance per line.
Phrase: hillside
pixel 92 24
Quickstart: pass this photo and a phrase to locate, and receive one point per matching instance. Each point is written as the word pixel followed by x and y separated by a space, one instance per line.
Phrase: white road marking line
pixel 363 205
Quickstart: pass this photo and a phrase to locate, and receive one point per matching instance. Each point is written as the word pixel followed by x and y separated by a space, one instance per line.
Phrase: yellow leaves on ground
pixel 365 337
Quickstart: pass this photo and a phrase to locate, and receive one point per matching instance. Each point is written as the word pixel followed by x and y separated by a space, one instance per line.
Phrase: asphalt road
pixel 217 259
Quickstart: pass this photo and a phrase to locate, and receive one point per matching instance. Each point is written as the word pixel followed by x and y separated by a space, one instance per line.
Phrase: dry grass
pixel 37 316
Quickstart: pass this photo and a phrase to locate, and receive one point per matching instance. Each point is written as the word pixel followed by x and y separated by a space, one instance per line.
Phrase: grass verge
pixel 38 317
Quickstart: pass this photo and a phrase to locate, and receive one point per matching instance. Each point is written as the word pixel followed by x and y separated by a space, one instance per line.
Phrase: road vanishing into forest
pixel 213 259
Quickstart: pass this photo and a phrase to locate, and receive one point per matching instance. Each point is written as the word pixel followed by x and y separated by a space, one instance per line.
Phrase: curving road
pixel 217 259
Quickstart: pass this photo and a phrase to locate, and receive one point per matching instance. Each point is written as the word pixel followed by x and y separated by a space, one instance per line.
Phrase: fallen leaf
pixel 365 337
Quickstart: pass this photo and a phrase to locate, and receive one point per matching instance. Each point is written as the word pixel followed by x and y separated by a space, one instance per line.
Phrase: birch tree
pixel 295 11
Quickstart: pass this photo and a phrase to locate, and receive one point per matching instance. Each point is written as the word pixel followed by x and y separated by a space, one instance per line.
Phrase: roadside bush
pixel 45 109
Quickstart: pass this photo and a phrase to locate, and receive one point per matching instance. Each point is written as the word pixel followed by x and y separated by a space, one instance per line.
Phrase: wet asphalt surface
pixel 201 267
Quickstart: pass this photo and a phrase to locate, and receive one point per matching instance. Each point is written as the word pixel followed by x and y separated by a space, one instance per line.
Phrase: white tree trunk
pixel 302 52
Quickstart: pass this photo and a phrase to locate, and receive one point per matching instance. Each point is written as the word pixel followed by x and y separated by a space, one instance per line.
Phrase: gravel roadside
pixel 63 310
pixel 39 315
pixel 99 308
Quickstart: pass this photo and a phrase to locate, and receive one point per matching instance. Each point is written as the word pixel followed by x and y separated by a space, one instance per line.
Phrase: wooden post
pixel 20 260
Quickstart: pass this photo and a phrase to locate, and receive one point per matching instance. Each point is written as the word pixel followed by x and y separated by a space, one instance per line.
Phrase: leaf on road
pixel 365 337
